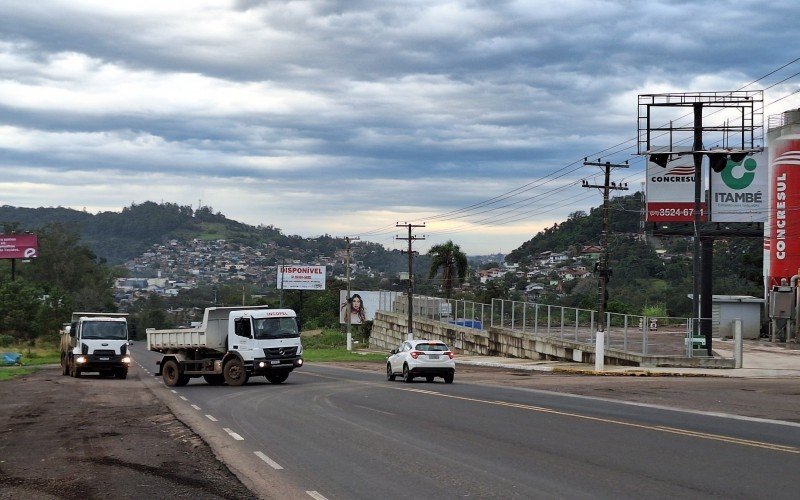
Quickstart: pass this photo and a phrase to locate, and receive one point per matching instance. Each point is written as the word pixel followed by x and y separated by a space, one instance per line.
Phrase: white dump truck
pixel 95 342
pixel 232 345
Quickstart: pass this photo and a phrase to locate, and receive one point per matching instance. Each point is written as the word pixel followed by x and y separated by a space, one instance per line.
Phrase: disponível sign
pixel 19 246
pixel 301 277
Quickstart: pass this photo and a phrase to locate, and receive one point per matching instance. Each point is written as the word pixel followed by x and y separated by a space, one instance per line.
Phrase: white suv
pixel 421 358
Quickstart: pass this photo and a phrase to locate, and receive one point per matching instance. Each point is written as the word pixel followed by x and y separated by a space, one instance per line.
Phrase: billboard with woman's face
pixel 360 308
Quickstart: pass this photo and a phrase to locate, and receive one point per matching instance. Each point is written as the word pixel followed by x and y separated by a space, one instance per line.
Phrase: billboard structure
pixel 301 277
pixel 731 123
pixel 19 246
pixel 362 306
pixel 670 190
pixel 739 192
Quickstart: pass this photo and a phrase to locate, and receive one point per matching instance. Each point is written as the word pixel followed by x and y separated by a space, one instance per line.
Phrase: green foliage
pixel 582 229
pixel 328 339
pixel 331 345
pixel 341 355
pixel 654 310
pixel 451 261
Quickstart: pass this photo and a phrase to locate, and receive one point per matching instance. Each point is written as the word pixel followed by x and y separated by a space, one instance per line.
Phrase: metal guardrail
pixel 636 334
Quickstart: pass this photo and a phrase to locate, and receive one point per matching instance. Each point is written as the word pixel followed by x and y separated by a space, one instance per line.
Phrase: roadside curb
pixel 563 370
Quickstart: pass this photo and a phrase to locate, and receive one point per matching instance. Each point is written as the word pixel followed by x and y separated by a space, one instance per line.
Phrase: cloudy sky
pixel 346 117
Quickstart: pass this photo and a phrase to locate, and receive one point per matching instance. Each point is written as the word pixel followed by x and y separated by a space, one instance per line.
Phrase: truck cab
pixel 96 342
pixel 268 341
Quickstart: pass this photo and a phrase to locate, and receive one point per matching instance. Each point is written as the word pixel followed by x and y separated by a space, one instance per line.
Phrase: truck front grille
pixel 104 352
pixel 280 352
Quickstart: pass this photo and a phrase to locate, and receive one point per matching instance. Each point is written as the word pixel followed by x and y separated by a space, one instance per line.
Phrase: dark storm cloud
pixel 431 105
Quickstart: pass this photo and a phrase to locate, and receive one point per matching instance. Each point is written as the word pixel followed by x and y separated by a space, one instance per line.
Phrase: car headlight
pixel 261 364
pixel 80 360
pixel 126 359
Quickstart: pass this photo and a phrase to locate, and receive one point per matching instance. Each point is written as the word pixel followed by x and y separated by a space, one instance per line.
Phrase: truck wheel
pixel 170 372
pixel 234 373
pixel 277 377
pixel 214 379
pixel 64 365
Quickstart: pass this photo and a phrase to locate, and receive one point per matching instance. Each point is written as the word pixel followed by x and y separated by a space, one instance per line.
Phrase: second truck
pixel 230 346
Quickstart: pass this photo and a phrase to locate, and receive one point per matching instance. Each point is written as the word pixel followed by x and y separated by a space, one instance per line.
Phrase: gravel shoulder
pixel 93 437
pixel 99 438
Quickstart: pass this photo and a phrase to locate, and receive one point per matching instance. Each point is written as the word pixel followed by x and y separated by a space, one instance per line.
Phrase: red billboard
pixel 19 246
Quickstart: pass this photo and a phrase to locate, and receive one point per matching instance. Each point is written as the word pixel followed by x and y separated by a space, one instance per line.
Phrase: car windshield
pixel 106 330
pixel 431 347
pixel 274 328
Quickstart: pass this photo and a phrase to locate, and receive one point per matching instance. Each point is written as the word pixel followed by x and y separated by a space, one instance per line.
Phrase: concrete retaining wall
pixel 389 331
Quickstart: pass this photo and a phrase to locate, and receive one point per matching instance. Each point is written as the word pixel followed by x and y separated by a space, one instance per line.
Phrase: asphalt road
pixel 334 432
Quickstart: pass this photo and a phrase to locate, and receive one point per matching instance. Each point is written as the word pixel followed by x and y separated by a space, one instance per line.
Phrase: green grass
pixel 32 356
pixel 331 345
pixel 11 372
pixel 340 354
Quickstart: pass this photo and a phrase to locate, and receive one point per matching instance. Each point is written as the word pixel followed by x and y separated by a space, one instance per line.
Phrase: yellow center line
pixel 541 409
pixel 659 428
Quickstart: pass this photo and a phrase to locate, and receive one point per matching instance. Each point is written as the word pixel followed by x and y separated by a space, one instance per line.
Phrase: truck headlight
pixel 126 359
pixel 80 360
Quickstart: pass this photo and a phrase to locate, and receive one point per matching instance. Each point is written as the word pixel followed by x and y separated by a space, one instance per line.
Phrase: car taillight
pixel 415 354
pixel 450 354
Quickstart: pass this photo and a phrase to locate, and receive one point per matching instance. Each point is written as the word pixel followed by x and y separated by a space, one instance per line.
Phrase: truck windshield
pixel 274 328
pixel 108 330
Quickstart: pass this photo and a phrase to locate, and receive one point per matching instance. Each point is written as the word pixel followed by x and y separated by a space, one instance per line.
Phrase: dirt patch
pixel 97 438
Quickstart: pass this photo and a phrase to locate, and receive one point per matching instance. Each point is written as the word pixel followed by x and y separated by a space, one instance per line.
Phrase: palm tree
pixel 452 261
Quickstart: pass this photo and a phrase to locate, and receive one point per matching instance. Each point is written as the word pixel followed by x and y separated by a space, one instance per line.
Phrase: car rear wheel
pixel 448 379
pixel 429 378
pixel 390 376
pixel 407 378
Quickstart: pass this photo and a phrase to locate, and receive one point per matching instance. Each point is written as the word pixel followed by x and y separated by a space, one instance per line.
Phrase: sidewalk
pixel 760 360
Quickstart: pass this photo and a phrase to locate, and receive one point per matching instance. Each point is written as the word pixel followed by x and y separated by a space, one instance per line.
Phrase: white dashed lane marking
pixel 233 434
pixel 272 463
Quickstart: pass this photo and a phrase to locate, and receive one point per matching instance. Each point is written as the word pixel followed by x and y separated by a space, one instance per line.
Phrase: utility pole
pixel 283 264
pixel 603 271
pixel 410 240
pixel 348 239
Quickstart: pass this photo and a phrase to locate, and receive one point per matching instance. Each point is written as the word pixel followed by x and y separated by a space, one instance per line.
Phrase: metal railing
pixel 645 335
pixel 626 332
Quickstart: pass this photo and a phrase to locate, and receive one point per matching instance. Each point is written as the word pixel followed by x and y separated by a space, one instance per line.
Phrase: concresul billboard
pixel 670 191
pixel 784 245
pixel 19 246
